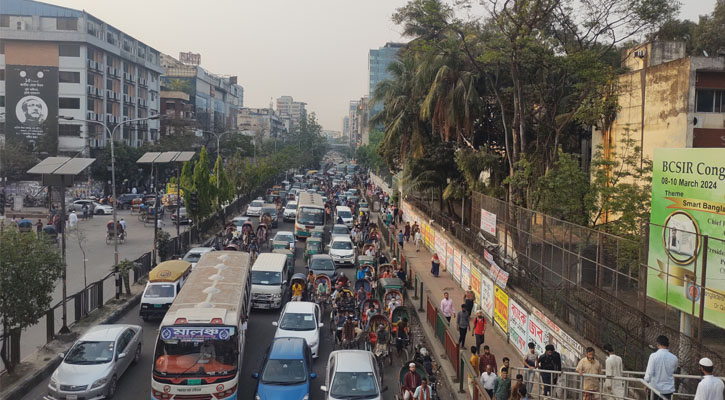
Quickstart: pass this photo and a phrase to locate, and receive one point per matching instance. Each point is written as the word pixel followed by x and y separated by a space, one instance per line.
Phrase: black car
pixel 322 264
pixel 125 200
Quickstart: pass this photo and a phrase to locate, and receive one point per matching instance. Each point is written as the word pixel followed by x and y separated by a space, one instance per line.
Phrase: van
pixel 345 214
pixel 269 280
pixel 165 282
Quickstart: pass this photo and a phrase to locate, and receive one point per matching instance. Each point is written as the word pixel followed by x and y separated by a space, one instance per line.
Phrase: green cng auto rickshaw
pixel 313 246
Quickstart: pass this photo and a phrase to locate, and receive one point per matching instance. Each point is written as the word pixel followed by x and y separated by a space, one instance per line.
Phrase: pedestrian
pixel 505 362
pixel 401 273
pixel 462 321
pixel 550 361
pixel 435 265
pixel 39 228
pixel 447 307
pixel 589 365
pixel 479 328
pixel 474 359
pixel 400 216
pixel 709 388
pixel 515 385
pixel 123 224
pixel 73 220
pixel 406 232
pixel 502 386
pixel 417 240
pixel 531 362
pixel 401 239
pixel 487 358
pixel 85 211
pixel 422 392
pixel 613 368
pixel 661 368
pixel 488 379
pixel 469 299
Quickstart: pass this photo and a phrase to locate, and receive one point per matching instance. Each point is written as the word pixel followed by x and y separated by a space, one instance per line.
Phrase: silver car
pixel 92 367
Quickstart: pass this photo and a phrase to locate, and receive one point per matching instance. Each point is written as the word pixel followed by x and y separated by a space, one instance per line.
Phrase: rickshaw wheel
pixel 108 240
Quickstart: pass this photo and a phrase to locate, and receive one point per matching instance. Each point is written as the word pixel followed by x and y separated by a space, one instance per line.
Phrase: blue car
pixel 286 371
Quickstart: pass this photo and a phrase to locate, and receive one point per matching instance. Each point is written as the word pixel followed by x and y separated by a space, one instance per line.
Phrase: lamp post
pixel 218 137
pixel 113 177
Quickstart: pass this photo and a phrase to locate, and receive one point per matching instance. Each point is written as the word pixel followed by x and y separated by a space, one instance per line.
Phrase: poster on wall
pixel 488 222
pixel 501 308
pixel 449 256
pixel 440 248
pixel 31 101
pixel 457 265
pixel 476 282
pixel 465 271
pixel 537 334
pixel 570 349
pixel 428 237
pixel 487 296
pixel 518 327
pixel 688 203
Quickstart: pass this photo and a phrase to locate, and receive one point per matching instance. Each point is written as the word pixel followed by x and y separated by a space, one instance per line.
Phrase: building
pixel 363 117
pixel 346 126
pixel 378 62
pixel 667 99
pixel 216 99
pixel 58 61
pixel 353 127
pixel 290 111
pixel 178 112
pixel 264 121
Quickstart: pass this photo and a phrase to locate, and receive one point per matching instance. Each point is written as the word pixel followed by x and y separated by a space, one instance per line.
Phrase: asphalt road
pixel 135 383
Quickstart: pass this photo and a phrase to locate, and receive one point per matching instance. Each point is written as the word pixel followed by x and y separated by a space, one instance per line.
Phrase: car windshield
pixel 311 216
pixel 89 352
pixel 284 372
pixel 297 322
pixel 319 264
pixel 342 245
pixel 257 203
pixel 269 210
pixel 344 214
pixel 196 351
pixel 291 206
pixel 354 385
pixel 266 278
pixel 159 291
pixel 239 222
pixel 284 238
pixel 192 257
pixel 340 230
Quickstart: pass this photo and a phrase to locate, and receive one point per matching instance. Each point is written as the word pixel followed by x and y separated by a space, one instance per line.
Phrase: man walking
pixel 550 361
pixel 462 321
pixel 502 386
pixel 447 307
pixel 661 368
pixel 487 359
pixel 589 365
pixel 613 368
pixel 488 380
pixel 531 362
pixel 401 239
pixel 417 238
pixel 479 328
pixel 709 388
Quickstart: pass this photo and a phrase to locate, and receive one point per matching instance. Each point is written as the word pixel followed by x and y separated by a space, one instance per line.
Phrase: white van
pixel 345 214
pixel 269 280
pixel 165 282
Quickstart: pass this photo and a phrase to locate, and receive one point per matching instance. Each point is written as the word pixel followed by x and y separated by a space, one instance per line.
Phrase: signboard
pixel 196 334
pixel 429 232
pixel 500 276
pixel 457 265
pixel 518 327
pixel 688 202
pixel 487 296
pixel 440 248
pixel 189 58
pixel 449 256
pixel 465 271
pixel 537 334
pixel 570 349
pixel 31 99
pixel 501 309
pixel 476 282
pixel 488 222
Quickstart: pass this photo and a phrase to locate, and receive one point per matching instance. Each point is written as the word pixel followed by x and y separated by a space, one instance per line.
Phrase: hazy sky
pixel 313 50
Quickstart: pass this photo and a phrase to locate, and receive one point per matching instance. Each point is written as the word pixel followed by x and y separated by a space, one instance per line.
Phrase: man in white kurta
pixel 710 387
pixel 613 368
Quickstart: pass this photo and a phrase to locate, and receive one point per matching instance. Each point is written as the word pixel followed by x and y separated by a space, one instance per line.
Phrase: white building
pixel 260 120
pixel 291 110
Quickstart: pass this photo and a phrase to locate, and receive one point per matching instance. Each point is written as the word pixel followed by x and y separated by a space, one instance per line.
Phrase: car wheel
pixel 111 388
pixel 137 355
pixel 100 212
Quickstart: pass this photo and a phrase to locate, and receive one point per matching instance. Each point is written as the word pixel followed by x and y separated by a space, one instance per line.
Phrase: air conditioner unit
pixel 91 115
pixel 91 90
pixel 125 98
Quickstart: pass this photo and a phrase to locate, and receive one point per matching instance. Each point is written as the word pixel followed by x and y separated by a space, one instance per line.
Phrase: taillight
pixel 216 321
pixel 180 321
pixel 226 393
pixel 160 395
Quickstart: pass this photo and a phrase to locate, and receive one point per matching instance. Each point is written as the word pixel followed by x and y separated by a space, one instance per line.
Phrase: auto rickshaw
pixel 280 244
pixel 317 232
pixel 313 246
pixel 368 264
pixel 50 233
pixel 25 225
pixel 385 285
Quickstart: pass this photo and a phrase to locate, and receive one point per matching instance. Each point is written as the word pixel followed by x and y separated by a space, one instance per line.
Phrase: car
pixel 255 208
pixel 342 251
pixel 240 221
pixel 94 207
pixel 286 371
pixel 184 219
pixel 322 264
pixel 285 236
pixel 302 319
pixel 125 200
pixel 363 206
pixel 270 209
pixel 92 367
pixel 290 211
pixel 340 230
pixel 353 374
pixel 195 254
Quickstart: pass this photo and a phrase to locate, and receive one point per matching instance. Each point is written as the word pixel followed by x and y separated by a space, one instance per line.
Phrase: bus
pixel 310 214
pixel 200 344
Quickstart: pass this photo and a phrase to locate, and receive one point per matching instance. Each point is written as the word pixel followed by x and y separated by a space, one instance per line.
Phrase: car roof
pixel 287 348
pixel 106 332
pixel 201 250
pixel 269 262
pixel 325 256
pixel 341 238
pixel 343 208
pixel 299 306
pixel 353 360
pixel 339 226
pixel 283 233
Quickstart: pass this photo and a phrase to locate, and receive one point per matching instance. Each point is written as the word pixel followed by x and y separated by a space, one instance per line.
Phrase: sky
pixel 313 50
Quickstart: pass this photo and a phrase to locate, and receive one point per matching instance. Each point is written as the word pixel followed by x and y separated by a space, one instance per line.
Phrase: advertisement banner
pixel 501 309
pixel 518 327
pixel 688 203
pixel 457 265
pixel 441 248
pixel 538 334
pixel 476 282
pixel 428 236
pixel 449 256
pixel 487 296
pixel 465 271
pixel 488 222
pixel 31 101
pixel 570 349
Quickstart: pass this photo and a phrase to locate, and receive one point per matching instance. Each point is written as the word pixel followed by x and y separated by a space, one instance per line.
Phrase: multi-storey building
pixel 263 121
pixel 353 126
pixel 378 62
pixel 346 126
pixel 178 112
pixel 290 111
pixel 61 62
pixel 216 99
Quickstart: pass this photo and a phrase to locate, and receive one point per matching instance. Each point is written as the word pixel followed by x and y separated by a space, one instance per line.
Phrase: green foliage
pixel 473 163
pixel 203 185
pixel 704 36
pixel 223 186
pixel 124 268
pixel 187 182
pixel 367 155
pixel 125 161
pixel 178 85
pixel 564 192
pixel 15 158
pixel 29 269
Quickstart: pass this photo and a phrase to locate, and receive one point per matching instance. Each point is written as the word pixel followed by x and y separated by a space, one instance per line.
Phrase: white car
pixel 192 256
pixel 301 319
pixel 340 230
pixel 290 211
pixel 287 237
pixel 255 208
pixel 342 251
pixel 95 363
pixel 353 374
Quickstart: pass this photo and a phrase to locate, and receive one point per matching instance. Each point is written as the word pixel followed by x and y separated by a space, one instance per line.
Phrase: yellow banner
pixel 712 207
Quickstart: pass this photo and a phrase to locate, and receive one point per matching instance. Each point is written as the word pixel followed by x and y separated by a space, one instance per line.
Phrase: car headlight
pixel 312 344
pixel 99 383
pixel 277 295
pixel 53 382
pixel 256 397
pixel 307 397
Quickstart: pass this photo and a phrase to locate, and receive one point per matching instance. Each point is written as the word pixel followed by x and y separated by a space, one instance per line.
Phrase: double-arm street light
pixel 218 139
pixel 111 133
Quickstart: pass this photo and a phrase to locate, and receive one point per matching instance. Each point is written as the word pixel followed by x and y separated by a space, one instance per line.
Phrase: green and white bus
pixel 310 214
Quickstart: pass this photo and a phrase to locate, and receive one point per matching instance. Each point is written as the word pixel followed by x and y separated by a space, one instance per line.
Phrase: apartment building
pixel 291 112
pixel 62 62
pixel 378 61
pixel 264 121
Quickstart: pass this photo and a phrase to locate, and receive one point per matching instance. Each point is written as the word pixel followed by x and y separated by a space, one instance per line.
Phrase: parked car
pixel 184 219
pixel 125 200
pixel 290 211
pixel 92 367
pixel 342 251
pixel 301 319
pixel 195 254
pixel 255 208
pixel 322 264
pixel 353 374
pixel 93 207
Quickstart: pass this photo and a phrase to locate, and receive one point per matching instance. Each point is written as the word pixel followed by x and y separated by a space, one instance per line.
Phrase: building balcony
pixel 95 66
pixel 113 96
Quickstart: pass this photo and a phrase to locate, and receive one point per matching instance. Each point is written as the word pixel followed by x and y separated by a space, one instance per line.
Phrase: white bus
pixel 310 214
pixel 200 345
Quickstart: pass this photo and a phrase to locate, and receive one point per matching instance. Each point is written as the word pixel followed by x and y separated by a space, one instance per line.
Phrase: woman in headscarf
pixel 435 265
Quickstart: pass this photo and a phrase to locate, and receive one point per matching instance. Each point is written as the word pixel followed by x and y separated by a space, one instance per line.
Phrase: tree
pixel 124 268
pixel 29 268
pixel 203 185
pixel 223 187
pixel 15 158
pixel 187 183
pixel 125 158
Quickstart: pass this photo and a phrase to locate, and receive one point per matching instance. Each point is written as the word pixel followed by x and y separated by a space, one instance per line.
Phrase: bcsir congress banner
pixel 688 203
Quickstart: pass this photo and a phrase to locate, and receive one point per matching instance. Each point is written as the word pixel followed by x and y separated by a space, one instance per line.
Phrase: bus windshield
pixel 311 216
pixel 196 351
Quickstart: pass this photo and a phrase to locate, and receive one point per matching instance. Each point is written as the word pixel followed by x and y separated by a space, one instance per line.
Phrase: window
pixel 2 74
pixel 69 77
pixel 91 105
pixel 2 101
pixel 109 84
pixel 710 100
pixel 66 24
pixel 69 50
pixel 69 130
pixel 4 21
pixel 91 79
pixel 72 103
pixel 109 107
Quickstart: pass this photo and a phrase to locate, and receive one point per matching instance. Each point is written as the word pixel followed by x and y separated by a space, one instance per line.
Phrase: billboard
pixel 488 222
pixel 31 99
pixel 501 309
pixel 465 271
pixel 688 205
pixel 190 58
pixel 518 327
pixel 487 296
